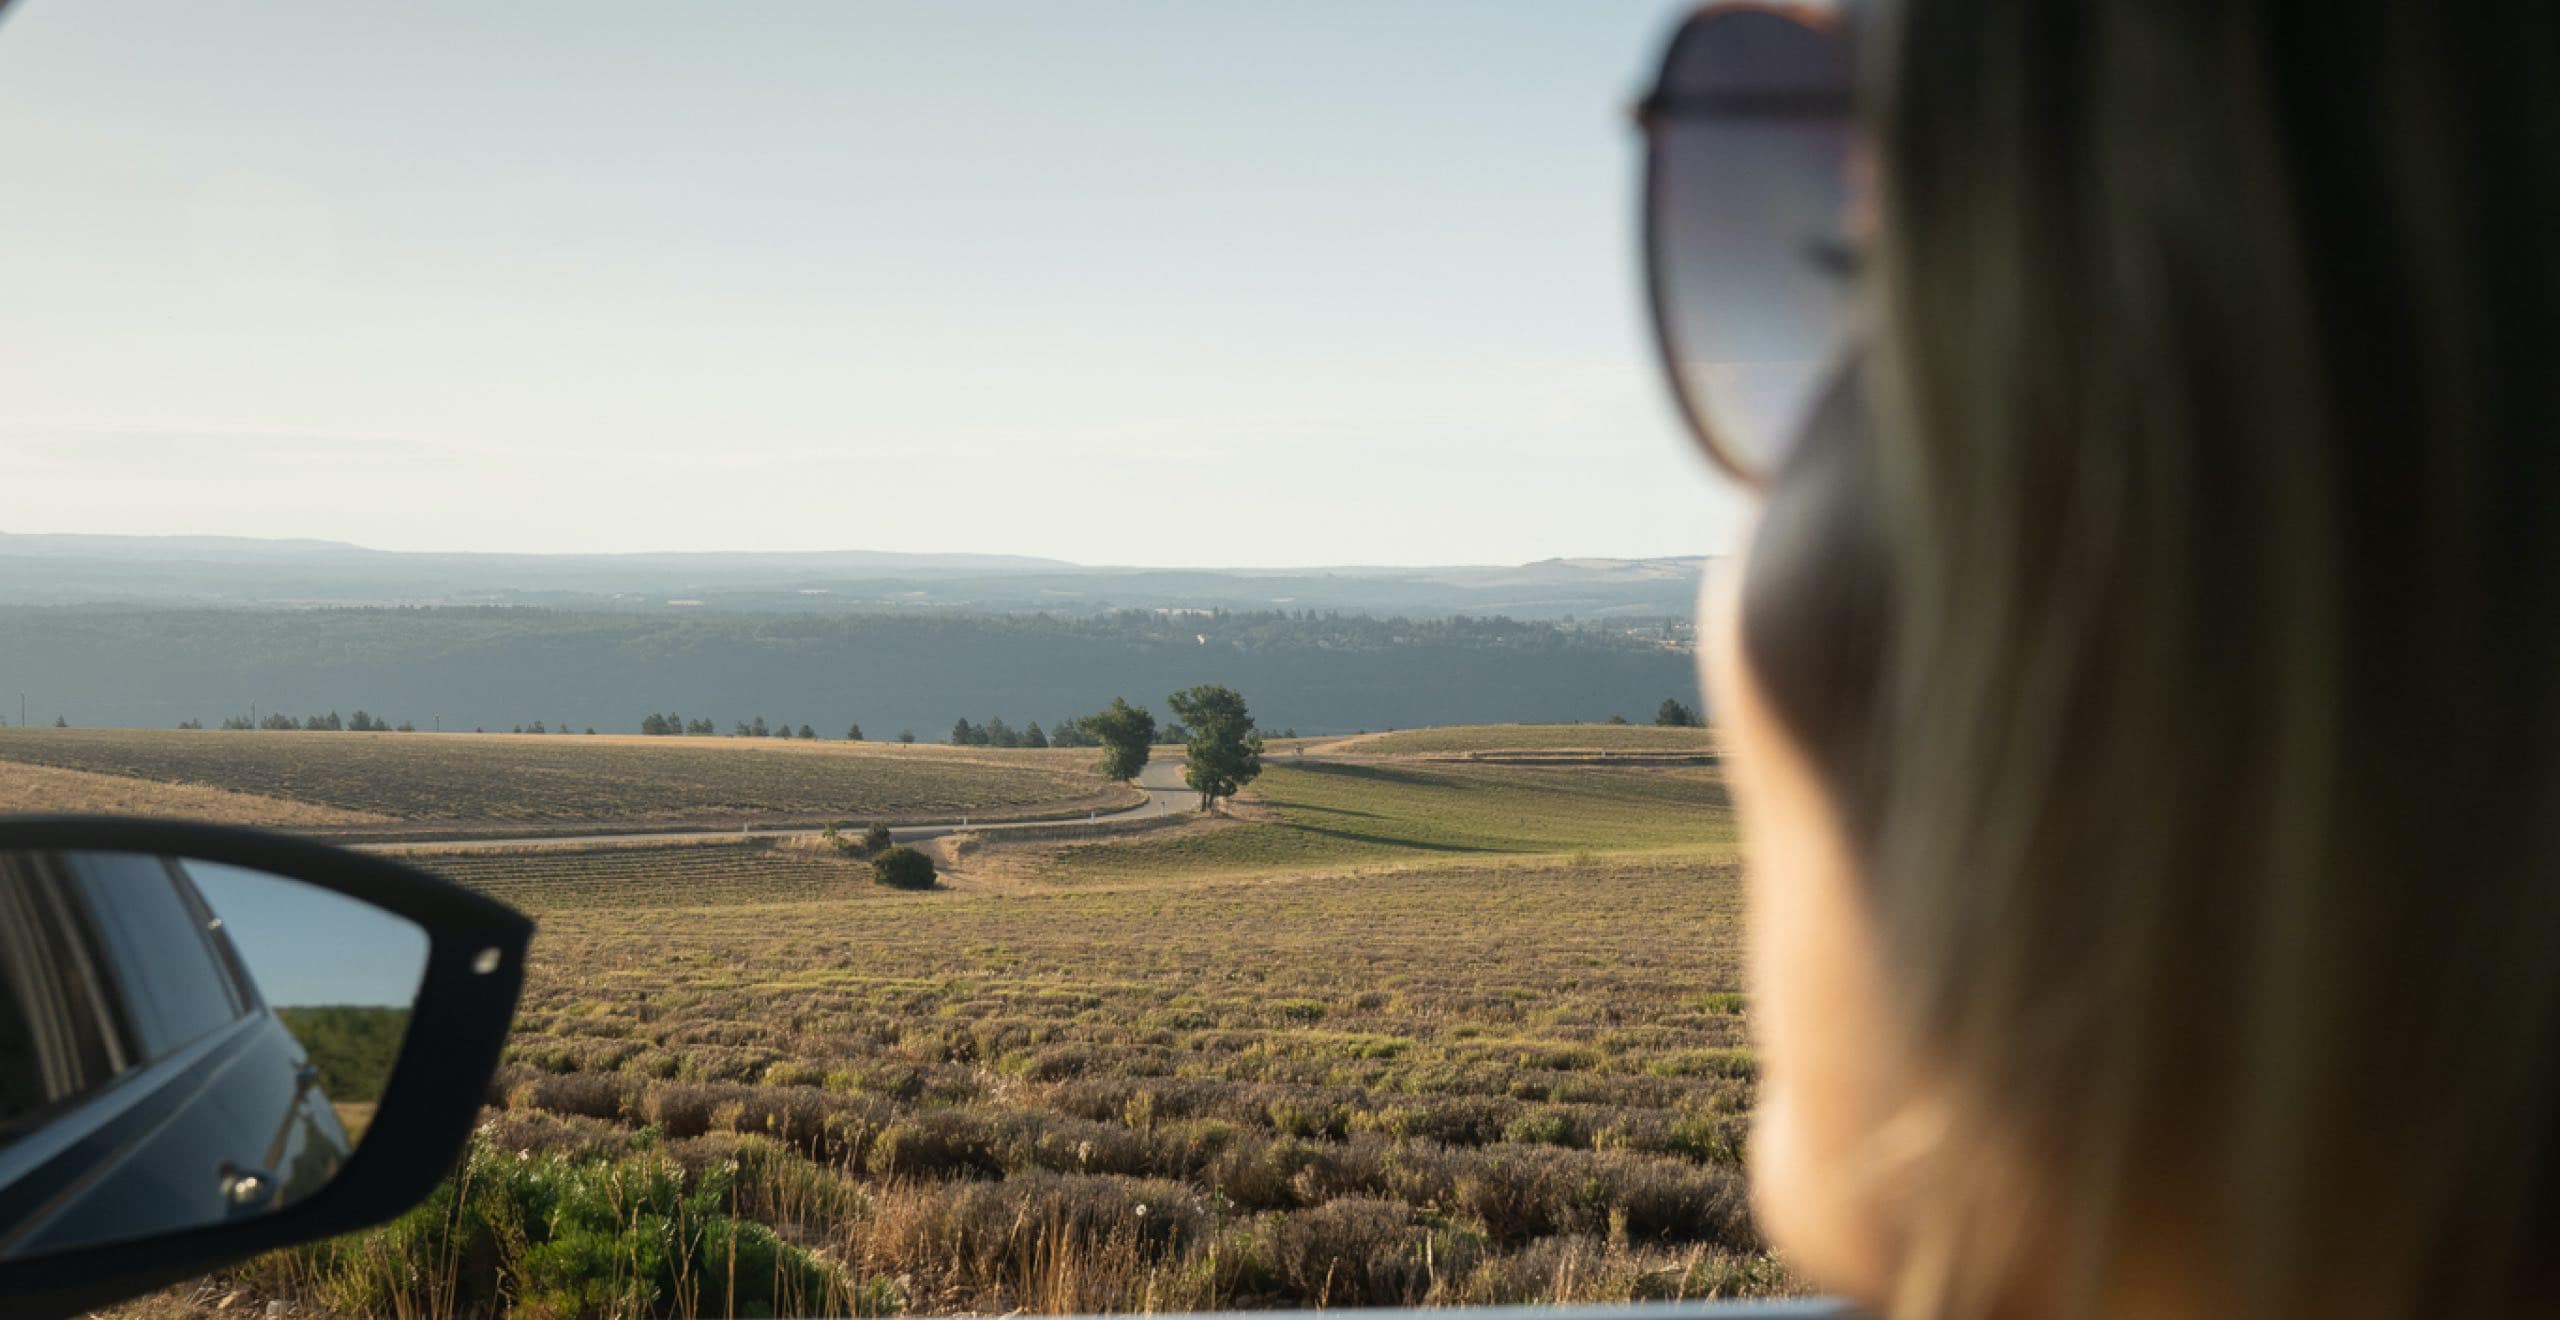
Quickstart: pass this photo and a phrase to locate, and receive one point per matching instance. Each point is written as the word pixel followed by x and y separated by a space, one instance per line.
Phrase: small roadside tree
pixel 1676 714
pixel 807 732
pixel 902 867
pixel 853 734
pixel 1224 752
pixel 1127 734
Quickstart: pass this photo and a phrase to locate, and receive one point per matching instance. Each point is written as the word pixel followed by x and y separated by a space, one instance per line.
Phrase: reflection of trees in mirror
pixel 353 1046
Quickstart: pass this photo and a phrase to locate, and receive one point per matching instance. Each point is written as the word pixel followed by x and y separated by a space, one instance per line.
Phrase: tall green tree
pixel 1127 734
pixel 853 734
pixel 1224 751
pixel 965 734
pixel 1675 714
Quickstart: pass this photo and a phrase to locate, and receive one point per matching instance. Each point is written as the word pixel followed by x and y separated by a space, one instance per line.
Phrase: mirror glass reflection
pixel 184 1042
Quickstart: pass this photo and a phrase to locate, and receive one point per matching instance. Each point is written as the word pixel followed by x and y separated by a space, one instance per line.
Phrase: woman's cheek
pixel 1815 996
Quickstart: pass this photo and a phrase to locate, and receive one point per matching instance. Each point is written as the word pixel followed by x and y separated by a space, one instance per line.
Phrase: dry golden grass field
pixel 1396 1032
pixel 435 781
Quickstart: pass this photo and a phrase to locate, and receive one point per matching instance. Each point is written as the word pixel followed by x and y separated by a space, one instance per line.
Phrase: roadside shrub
pixel 902 867
pixel 588 1095
pixel 533 1132
pixel 1711 1276
pixel 1300 1011
pixel 1352 1252
pixel 875 839
pixel 684 1109
pixel 1542 1126
pixel 1516 1196
pixel 1186 1148
pixel 795 1072
pixel 1668 1201
pixel 1254 1174
pixel 1735 1063
pixel 935 1144
pixel 1067 1145
pixel 1300 1116
pixel 1711 1138
pixel 1059 1062
pixel 1043 1241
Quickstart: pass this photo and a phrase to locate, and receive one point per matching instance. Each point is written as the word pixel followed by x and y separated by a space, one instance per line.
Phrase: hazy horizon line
pixel 329 543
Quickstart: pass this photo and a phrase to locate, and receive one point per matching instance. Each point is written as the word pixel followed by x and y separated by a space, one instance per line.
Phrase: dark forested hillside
pixel 498 668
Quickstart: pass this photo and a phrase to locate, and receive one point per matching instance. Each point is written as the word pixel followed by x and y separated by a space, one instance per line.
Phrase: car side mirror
pixel 217 1041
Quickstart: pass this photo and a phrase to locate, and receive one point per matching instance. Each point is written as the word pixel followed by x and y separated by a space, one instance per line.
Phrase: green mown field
pixel 1527 738
pixel 1314 814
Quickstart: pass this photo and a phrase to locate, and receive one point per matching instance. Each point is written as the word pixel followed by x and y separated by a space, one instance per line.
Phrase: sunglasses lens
pixel 1748 220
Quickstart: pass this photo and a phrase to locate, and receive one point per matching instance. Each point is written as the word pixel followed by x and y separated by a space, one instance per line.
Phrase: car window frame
pixel 80 999
pixel 153 1033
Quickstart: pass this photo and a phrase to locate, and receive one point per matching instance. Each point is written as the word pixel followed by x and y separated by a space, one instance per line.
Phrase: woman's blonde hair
pixel 2174 604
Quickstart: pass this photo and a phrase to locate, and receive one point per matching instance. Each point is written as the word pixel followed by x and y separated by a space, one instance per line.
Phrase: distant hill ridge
pixel 251 572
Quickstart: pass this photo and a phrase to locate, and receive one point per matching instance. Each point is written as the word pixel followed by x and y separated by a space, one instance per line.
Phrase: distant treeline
pixel 463 668
pixel 360 722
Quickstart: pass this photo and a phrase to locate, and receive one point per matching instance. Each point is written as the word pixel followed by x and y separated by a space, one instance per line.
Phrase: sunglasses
pixel 1750 238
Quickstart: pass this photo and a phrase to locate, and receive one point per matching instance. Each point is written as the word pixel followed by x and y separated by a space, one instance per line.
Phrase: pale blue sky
pixel 851 275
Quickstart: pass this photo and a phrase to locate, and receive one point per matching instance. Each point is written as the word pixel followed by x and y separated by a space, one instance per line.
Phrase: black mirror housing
pixel 474 971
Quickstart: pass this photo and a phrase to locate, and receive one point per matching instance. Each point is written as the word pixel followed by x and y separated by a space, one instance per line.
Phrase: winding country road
pixel 1167 795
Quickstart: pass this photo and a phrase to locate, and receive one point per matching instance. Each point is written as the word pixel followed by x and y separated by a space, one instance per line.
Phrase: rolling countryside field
pixel 1392 1030
pixel 443 784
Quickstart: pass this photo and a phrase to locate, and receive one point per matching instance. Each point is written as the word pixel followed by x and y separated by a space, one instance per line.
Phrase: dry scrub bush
pixel 1356 1252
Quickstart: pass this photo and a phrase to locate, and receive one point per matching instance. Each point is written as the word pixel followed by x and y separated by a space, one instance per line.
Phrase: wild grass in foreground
pixel 1451 1084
